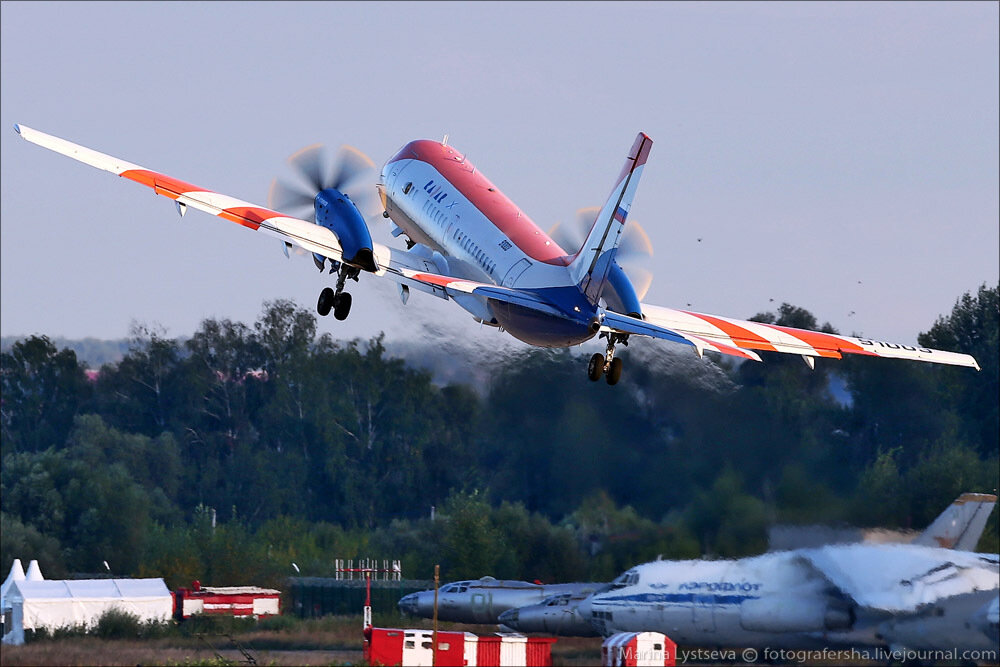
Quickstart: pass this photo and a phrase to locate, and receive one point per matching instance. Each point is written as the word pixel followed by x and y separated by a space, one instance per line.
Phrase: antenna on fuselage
pixel 444 142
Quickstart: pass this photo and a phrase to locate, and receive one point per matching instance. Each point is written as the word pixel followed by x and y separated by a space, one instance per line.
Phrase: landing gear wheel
pixel 326 301
pixel 342 306
pixel 614 371
pixel 596 367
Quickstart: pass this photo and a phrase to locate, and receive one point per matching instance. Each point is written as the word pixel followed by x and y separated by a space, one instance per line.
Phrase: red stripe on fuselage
pixel 485 196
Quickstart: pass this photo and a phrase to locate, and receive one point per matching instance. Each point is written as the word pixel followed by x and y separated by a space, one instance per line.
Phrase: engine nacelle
pixel 619 293
pixel 795 614
pixel 336 212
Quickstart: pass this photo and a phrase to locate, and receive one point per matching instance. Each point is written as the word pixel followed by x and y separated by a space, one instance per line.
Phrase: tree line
pixel 232 454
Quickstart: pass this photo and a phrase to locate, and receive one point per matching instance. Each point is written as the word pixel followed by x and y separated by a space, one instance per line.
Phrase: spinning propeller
pixel 635 252
pixel 318 172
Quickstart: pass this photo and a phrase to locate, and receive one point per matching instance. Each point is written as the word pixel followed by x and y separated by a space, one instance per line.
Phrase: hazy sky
pixel 841 157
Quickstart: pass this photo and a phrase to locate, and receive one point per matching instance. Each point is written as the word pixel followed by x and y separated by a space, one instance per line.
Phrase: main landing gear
pixel 337 300
pixel 607 364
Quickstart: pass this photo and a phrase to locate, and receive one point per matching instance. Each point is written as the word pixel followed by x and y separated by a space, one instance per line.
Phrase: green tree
pixel 24 541
pixel 729 521
pixel 42 389
pixel 473 546
pixel 145 391
pixel 972 327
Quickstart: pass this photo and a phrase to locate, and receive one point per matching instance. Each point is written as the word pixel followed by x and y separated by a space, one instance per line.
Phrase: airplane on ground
pixel 911 596
pixel 556 615
pixel 483 600
pixel 556 609
pixel 468 242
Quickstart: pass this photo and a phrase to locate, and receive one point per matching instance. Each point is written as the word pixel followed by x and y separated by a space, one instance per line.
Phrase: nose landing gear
pixel 338 300
pixel 607 364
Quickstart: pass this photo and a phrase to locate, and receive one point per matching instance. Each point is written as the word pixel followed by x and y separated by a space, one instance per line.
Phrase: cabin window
pixel 407 188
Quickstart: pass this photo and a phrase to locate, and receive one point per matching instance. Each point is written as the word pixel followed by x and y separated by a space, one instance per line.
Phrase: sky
pixel 840 157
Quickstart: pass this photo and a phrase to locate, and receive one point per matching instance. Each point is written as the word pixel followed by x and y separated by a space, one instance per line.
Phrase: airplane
pixel 909 596
pixel 483 600
pixel 958 527
pixel 468 242
pixel 556 615
pixel 555 609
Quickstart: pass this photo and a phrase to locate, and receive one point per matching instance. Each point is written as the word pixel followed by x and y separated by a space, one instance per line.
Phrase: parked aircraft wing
pixel 903 578
pixel 726 334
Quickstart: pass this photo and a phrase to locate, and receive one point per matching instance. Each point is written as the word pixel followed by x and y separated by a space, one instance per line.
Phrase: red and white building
pixel 226 601
pixel 410 648
pixel 635 649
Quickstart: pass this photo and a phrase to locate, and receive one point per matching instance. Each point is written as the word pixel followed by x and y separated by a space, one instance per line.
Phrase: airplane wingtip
pixel 17 128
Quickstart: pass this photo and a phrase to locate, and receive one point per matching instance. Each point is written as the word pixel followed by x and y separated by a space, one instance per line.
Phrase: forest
pixel 232 454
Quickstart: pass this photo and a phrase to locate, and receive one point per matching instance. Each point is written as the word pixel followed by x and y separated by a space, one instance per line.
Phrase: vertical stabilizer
pixel 961 525
pixel 589 269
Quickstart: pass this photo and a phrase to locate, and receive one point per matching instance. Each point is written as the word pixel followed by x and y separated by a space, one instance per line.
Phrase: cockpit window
pixel 630 578
pixel 407 188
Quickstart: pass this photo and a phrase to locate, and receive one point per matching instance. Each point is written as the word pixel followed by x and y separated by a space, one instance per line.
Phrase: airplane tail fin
pixel 591 265
pixel 961 525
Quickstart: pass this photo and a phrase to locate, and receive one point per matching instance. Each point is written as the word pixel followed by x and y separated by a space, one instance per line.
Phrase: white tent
pixel 16 574
pixel 55 604
pixel 34 572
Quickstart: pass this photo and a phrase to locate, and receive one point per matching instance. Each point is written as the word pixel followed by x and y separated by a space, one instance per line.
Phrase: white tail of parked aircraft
pixel 961 525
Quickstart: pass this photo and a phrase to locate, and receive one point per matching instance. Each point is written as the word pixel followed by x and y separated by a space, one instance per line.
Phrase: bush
pixel 278 623
pixel 200 624
pixel 116 623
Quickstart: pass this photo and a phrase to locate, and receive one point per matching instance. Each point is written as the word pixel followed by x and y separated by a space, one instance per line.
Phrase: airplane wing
pixel 390 262
pixel 903 578
pixel 741 337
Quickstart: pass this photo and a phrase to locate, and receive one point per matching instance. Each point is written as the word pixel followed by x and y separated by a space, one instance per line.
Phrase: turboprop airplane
pixel 483 600
pixel 469 243
pixel 893 595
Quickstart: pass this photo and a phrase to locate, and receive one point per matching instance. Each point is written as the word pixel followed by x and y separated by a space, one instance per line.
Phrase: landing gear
pixel 338 300
pixel 595 369
pixel 342 306
pixel 614 371
pixel 607 364
pixel 325 302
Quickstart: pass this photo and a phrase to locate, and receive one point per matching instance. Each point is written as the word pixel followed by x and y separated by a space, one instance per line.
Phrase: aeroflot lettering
pixel 435 192
pixel 719 586
pixel 894 346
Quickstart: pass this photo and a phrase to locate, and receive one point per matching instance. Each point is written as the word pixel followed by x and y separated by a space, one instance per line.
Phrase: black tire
pixel 342 306
pixel 325 303
pixel 614 371
pixel 596 367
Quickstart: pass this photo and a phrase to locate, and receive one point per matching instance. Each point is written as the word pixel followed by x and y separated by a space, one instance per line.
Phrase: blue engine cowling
pixel 619 293
pixel 336 212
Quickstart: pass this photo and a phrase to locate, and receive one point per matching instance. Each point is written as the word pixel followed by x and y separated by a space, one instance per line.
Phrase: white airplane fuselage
pixel 846 595
pixel 441 201
pixel 767 600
